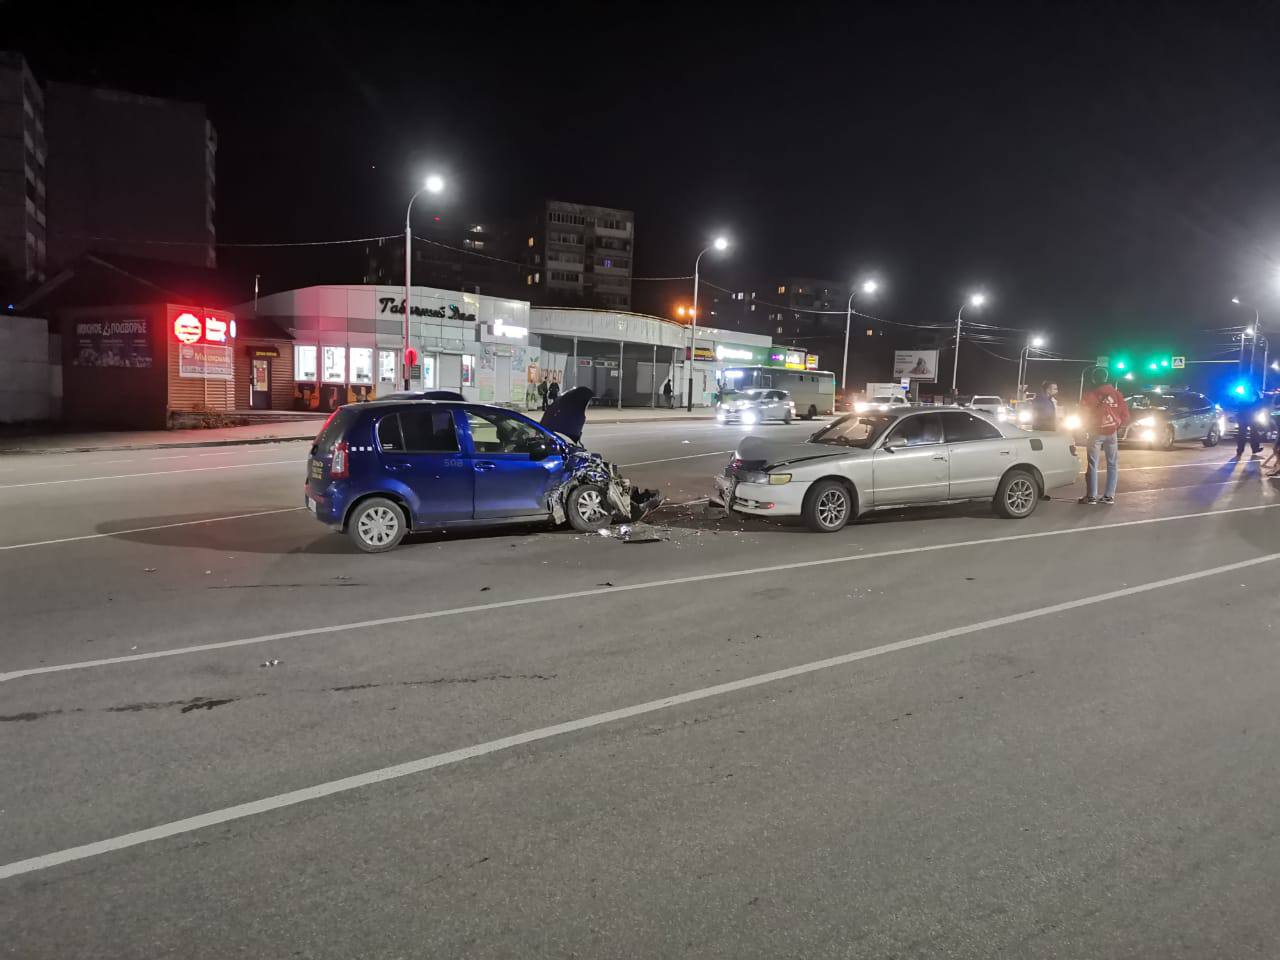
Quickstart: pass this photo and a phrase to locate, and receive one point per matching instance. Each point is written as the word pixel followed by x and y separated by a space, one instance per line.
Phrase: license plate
pixel 311 505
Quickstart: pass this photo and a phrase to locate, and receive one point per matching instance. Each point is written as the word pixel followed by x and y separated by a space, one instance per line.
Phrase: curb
pixel 177 445
pixel 254 441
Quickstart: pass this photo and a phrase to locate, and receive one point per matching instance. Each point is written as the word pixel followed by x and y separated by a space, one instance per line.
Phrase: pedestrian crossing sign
pixel 1179 363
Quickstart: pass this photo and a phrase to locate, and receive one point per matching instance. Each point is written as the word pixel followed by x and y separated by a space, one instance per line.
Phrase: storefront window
pixel 428 371
pixel 335 364
pixel 304 363
pixel 468 371
pixel 361 365
pixel 386 366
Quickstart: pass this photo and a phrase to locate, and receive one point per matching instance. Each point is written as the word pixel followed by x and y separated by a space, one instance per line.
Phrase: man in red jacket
pixel 1103 412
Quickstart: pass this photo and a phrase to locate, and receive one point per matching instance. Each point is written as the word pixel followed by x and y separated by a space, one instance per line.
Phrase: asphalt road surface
pixel 225 733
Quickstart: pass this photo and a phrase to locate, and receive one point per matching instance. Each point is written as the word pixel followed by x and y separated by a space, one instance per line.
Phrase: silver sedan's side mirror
pixel 894 444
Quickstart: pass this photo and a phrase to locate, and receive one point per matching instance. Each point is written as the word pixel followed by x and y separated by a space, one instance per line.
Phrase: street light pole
pixel 1253 336
pixel 977 300
pixel 720 243
pixel 1024 358
pixel 868 286
pixel 433 184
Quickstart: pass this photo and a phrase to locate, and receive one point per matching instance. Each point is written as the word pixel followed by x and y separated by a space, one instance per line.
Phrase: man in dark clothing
pixel 1249 407
pixel 553 391
pixel 667 392
pixel 1103 412
pixel 1044 408
pixel 542 391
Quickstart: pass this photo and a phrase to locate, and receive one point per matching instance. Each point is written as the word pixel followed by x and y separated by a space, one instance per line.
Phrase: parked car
pixel 1163 419
pixel 896 458
pixel 988 404
pixel 882 403
pixel 381 469
pixel 755 405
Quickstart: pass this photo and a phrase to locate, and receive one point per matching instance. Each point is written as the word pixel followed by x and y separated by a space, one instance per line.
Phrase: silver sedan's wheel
pixel 1018 495
pixel 828 507
pixel 376 526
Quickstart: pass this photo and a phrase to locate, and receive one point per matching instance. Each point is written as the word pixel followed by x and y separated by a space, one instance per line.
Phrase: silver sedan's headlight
pixel 1145 422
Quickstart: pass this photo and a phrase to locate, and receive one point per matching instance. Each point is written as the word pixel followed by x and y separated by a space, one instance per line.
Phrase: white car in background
pixel 994 406
pixel 882 403
pixel 897 458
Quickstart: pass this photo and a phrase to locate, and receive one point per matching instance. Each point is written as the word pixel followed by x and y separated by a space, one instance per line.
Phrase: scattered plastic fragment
pixel 273 662
pixel 148 569
pixel 638 533
pixel 607 583
pixel 605 532
pixel 483 589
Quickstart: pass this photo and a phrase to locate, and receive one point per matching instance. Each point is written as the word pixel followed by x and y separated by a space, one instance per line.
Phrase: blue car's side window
pixel 429 430
pixel 493 432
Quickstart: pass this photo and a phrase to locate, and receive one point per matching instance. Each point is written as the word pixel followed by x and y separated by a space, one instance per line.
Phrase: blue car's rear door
pixel 514 462
pixel 421 457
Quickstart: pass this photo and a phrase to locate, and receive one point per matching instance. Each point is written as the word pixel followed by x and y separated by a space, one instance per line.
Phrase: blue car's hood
pixel 568 415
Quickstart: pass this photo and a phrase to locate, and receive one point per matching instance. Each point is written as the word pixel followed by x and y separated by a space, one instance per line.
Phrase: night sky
pixel 1109 173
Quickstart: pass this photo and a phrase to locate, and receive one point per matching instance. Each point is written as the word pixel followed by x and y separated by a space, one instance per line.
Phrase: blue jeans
pixel 1098 444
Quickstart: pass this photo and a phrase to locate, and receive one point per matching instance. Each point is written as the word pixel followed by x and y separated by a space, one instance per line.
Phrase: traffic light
pixel 1121 365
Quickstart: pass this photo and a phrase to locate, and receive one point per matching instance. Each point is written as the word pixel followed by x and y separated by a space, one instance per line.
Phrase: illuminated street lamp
pixel 432 184
pixel 1252 334
pixel 1034 342
pixel 719 244
pixel 976 299
pixel 868 287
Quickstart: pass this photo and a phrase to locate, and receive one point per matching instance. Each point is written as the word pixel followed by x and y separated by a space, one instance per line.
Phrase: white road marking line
pixel 602 591
pixel 692 456
pixel 161 526
pixel 1208 464
pixel 155 473
pixel 86 463
pixel 435 761
pixel 228 453
pixel 181 456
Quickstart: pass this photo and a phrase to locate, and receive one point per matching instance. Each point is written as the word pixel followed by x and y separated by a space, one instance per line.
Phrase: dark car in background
pixel 1162 419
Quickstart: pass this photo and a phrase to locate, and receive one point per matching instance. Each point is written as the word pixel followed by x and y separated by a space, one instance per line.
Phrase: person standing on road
pixel 1044 408
pixel 1104 412
pixel 553 390
pixel 1248 408
pixel 666 392
pixel 542 391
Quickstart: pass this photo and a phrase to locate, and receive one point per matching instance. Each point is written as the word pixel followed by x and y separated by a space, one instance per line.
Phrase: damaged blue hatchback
pixel 382 469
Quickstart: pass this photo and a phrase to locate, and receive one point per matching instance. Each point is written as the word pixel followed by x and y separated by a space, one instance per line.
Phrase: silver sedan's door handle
pixel 940 458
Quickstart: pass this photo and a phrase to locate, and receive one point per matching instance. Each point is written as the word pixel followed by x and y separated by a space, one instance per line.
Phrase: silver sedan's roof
pixel 897 413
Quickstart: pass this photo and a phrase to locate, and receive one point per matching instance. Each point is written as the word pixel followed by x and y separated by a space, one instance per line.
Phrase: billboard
pixel 919 365
pixel 115 342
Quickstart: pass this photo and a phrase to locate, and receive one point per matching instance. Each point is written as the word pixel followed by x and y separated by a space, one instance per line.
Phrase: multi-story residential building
pixel 130 175
pixel 465 256
pixel 23 191
pixel 577 254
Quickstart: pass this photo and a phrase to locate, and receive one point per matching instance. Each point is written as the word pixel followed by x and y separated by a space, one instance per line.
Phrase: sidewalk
pixel 268 433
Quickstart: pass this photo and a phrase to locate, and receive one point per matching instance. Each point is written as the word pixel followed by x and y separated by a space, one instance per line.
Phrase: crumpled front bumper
pixel 582 466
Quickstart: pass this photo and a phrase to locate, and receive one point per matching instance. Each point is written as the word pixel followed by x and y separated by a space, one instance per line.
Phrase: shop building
pixel 348 341
pixel 141 342
pixel 626 358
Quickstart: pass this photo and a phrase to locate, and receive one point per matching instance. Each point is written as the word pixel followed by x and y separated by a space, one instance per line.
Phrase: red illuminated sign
pixel 201 325
pixel 187 328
